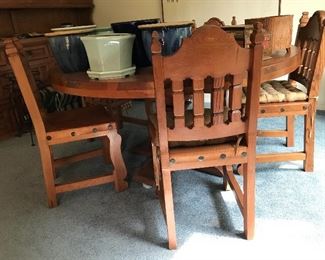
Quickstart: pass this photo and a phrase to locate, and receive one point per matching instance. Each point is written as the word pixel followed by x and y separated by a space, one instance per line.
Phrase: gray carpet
pixel 98 223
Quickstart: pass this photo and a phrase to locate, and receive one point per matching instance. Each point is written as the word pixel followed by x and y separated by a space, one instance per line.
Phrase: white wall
pixel 107 11
pixel 202 10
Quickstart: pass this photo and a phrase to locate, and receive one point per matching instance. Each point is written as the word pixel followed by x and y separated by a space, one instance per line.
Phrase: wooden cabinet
pixel 7 118
pixel 25 16
pixel 7 124
pixel 21 17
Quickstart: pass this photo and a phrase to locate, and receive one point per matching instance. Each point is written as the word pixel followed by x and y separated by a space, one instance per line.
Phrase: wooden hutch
pixel 21 18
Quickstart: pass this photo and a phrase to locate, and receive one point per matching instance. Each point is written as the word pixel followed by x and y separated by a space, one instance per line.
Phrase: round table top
pixel 141 85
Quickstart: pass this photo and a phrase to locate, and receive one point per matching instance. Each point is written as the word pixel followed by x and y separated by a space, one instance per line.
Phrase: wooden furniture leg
pixel 48 174
pixel 290 121
pixel 225 183
pixel 309 136
pixel 249 199
pixel 119 172
pixel 106 149
pixel 169 208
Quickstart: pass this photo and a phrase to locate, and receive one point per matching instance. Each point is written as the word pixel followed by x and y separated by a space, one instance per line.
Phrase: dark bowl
pixel 170 35
pixel 69 52
pixel 139 57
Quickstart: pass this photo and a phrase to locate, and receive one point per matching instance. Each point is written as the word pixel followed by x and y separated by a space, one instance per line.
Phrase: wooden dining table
pixel 141 85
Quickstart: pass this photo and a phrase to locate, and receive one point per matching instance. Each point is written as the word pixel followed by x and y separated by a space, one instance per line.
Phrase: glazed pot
pixel 139 56
pixel 69 51
pixel 110 55
pixel 171 35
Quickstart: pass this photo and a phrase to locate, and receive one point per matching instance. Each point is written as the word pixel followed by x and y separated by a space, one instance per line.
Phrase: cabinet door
pixel 202 10
pixel 5 82
pixel 7 120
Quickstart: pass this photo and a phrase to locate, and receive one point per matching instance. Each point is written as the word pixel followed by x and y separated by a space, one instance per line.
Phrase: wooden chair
pixel 215 21
pixel 283 98
pixel 65 127
pixel 218 137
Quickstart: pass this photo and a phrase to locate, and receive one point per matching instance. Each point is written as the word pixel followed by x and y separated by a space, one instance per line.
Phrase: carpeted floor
pixel 98 223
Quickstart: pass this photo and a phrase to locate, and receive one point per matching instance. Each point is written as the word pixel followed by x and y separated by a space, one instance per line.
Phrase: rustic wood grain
pixel 210 56
pixel 65 127
pixel 310 39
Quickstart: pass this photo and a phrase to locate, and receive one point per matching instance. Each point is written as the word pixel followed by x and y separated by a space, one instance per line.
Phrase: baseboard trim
pixel 321 112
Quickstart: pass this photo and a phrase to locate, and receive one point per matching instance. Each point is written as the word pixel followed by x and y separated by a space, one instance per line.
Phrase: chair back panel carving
pixel 220 67
pixel 26 83
pixel 310 38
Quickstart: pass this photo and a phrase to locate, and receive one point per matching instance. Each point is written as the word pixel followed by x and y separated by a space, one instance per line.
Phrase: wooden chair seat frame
pixel 311 40
pixel 210 53
pixel 66 127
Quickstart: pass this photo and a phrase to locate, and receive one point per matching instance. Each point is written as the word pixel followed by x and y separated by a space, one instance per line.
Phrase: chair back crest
pixel 215 21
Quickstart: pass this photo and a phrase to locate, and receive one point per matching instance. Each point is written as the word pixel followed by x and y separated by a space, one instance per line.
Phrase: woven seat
pixel 279 91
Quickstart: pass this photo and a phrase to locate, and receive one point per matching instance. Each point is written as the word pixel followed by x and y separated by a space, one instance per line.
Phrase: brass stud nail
pixel 263 111
pixel 49 138
pixel 73 133
pixel 110 127
pixel 243 154
pixel 200 158
pixel 282 109
pixel 304 107
pixel 172 161
pixel 94 130
pixel 223 156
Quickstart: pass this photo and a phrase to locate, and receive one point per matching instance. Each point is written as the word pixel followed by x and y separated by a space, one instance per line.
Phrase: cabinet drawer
pixel 36 52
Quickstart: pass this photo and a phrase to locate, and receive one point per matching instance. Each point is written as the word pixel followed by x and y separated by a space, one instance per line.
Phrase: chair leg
pixel 225 184
pixel 290 131
pixel 309 137
pixel 249 200
pixel 120 172
pixel 169 208
pixel 48 174
pixel 156 166
pixel 107 154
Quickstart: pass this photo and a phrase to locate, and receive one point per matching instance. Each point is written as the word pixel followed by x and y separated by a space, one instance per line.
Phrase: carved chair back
pixel 209 60
pixel 311 40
